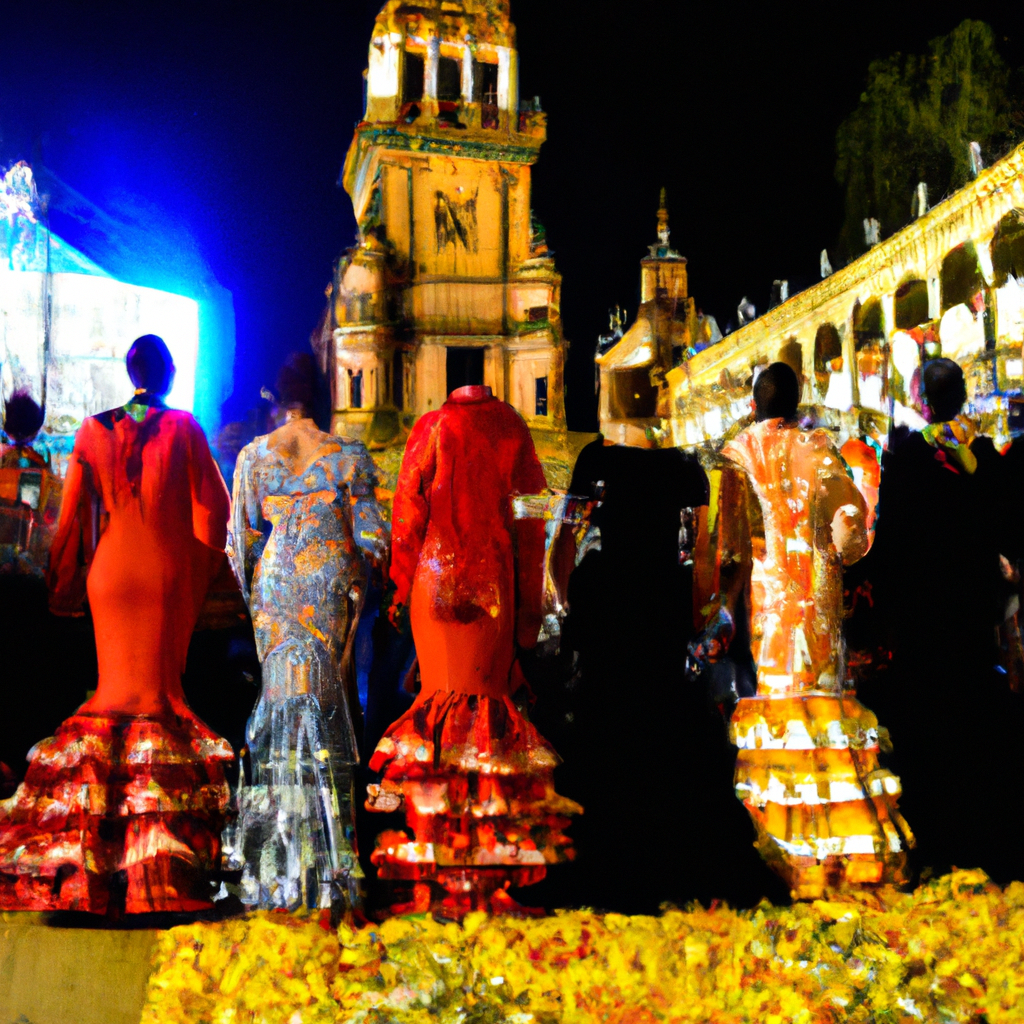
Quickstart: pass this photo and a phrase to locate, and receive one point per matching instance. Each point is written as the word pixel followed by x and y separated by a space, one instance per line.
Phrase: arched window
pixel 828 346
pixel 1008 248
pixel 960 278
pixel 867 323
pixel 872 351
pixel 413 76
pixel 398 378
pixel 911 304
pixel 355 389
pixel 791 353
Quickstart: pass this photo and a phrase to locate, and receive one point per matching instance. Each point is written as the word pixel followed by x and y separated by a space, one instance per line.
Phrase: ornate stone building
pixel 451 282
pixel 632 386
pixel 951 284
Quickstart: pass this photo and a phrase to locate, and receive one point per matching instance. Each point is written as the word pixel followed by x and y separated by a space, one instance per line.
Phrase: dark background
pixel 222 128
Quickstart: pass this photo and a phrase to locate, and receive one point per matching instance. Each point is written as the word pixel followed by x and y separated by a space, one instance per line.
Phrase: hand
pixel 711 644
pixel 848 533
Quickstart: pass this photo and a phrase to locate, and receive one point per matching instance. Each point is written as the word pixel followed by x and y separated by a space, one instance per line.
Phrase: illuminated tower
pixel 450 282
pixel 631 371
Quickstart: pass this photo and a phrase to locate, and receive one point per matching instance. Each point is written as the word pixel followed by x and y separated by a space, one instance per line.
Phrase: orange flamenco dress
pixel 130 795
pixel 474 776
pixel 807 770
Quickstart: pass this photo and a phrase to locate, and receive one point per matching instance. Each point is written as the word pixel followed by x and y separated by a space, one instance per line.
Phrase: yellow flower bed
pixel 951 951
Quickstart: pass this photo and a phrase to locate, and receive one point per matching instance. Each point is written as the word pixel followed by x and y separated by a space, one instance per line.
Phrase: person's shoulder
pixel 737 448
pixel 350 450
pixel 825 446
pixel 585 470
pixel 686 459
pixel 255 447
pixel 102 420
pixel 425 422
pixel 180 419
pixel 349 446
pixel 819 437
pixel 506 413
pixel 912 453
pixel 986 454
pixel 502 421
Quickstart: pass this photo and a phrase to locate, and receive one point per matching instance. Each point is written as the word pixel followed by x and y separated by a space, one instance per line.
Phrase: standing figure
pixel 30 492
pixel 955 723
pixel 632 715
pixel 305 531
pixel 807 770
pixel 474 775
pixel 130 793
pixel 23 419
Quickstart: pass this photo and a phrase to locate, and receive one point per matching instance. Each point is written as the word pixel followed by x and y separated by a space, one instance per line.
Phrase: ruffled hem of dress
pixel 481 822
pixel 826 818
pixel 805 721
pixel 475 780
pixel 462 733
pixel 134 796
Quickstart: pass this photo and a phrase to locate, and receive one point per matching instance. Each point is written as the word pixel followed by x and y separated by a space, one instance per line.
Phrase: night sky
pixel 224 126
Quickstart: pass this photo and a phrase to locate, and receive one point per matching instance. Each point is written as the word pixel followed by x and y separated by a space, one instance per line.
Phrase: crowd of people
pixel 702 658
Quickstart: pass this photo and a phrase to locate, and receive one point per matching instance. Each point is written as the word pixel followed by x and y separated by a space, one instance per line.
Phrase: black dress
pixel 954 723
pixel 649 756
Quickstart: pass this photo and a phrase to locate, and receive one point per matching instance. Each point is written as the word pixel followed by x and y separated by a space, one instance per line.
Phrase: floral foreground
pixel 951 951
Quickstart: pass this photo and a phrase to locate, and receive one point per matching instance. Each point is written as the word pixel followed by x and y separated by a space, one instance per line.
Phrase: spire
pixel 661 249
pixel 663 219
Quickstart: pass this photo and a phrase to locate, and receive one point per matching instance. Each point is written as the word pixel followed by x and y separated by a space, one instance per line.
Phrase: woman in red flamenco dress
pixel 130 793
pixel 473 774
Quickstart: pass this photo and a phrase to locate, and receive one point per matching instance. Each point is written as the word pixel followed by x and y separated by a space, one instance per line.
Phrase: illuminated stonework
pixel 947 284
pixel 631 372
pixel 450 282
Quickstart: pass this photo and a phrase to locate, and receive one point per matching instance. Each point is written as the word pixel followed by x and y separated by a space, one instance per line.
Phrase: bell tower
pixel 450 282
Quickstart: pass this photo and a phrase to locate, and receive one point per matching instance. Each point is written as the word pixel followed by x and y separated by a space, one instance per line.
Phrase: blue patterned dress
pixel 305 533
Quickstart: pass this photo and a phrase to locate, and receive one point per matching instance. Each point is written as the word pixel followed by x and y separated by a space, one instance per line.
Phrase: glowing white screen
pixel 94 320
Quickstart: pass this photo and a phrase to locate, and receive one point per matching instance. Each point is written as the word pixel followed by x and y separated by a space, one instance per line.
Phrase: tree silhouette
pixel 915 120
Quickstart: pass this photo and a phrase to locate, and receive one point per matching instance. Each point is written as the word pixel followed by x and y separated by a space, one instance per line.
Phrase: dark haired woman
pixel 29 491
pixel 131 790
pixel 23 418
pixel 305 532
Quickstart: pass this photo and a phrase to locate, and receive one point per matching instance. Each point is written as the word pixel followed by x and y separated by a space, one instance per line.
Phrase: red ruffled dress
pixel 474 776
pixel 130 793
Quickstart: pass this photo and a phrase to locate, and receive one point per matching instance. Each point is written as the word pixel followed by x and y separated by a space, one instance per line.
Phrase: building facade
pixel 949 284
pixel 633 393
pixel 450 282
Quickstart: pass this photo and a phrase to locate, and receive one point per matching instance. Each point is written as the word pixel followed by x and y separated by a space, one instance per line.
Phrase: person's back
pixel 646 752
pixel 302 565
pixel 141 479
pixel 799 480
pixel 805 745
pixel 939 544
pixel 156 813
pixel 642 491
pixel 142 472
pixel 463 464
pixel 471 577
pixel 953 720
